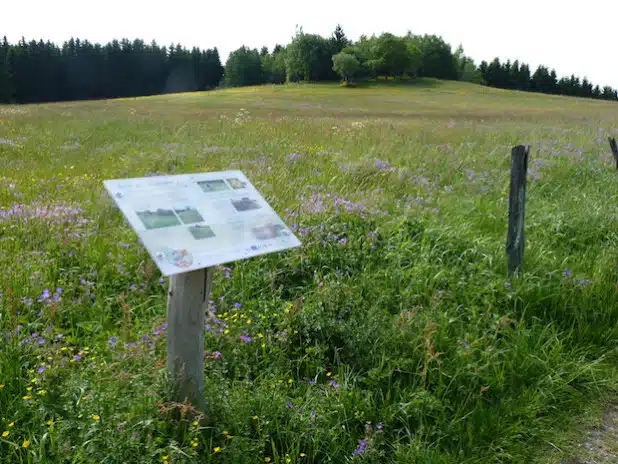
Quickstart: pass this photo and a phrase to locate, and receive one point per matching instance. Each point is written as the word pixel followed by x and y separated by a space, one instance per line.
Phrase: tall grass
pixel 392 335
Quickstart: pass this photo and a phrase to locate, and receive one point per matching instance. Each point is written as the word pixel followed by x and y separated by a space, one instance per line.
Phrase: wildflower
pixel 42 369
pixel 50 422
pixel 290 404
pixel 1 386
pixel 26 444
pixel 217 449
pixel 195 422
pixel 5 434
pixel 27 397
pixel 379 426
pixel 267 459
pixel 567 273
pixel 96 417
pixel 362 445
pixel 334 384
pixel 237 305
pixel 246 339
pixel 255 417
pixel 12 424
pixel 77 357
pixel 194 444
pixel 328 374
pixel 302 455
pixel 29 388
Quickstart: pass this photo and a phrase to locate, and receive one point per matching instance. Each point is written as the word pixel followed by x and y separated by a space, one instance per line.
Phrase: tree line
pixel 78 70
pixel 41 71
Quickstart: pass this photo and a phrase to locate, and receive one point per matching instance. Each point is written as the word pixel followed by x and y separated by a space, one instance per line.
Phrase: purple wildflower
pixel 42 369
pixel 246 339
pixel 133 287
pixel 237 305
pixel 567 273
pixel 77 357
pixel 290 404
pixel 362 447
pixel 379 426
pixel 334 384
pixel 40 341
pixel 112 340
pixel 311 382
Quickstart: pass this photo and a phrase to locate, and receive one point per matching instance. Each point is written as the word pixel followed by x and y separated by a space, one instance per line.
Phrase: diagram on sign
pixel 193 221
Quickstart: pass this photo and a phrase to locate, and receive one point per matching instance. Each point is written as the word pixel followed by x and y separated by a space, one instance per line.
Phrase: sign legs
pixel 186 308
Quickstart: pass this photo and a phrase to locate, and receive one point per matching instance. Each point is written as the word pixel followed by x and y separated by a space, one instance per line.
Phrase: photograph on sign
pixel 193 221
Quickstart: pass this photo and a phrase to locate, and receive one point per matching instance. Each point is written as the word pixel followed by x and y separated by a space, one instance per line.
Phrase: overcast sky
pixel 579 39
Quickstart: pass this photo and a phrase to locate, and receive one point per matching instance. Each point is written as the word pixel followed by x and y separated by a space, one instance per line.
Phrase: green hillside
pixel 392 335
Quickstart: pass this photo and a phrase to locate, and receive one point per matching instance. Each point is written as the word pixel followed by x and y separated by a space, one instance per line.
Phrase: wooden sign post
pixel 189 224
pixel 186 309
pixel 614 148
pixel 517 209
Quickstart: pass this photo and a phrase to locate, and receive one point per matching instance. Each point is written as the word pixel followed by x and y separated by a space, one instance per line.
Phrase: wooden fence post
pixel 186 308
pixel 614 147
pixel 517 209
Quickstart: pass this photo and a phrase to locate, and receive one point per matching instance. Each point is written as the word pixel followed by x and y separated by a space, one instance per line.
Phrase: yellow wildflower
pixel 50 422
pixel 267 459
pixel 26 444
pixel 29 389
pixel 5 434
pixel 1 386
pixel 302 455
pixel 194 444
pixel 255 417
pixel 12 424
pixel 27 397
pixel 96 417
pixel 195 422
pixel 217 449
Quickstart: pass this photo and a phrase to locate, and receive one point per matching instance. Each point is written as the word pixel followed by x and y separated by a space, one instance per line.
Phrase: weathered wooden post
pixel 186 309
pixel 190 223
pixel 517 209
pixel 614 147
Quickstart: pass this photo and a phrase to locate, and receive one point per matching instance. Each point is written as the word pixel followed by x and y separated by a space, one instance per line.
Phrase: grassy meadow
pixel 392 335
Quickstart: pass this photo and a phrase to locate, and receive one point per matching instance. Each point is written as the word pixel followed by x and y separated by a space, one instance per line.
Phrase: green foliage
pixel 79 70
pixel 436 57
pixel 244 67
pixel 345 65
pixel 273 66
pixel 308 57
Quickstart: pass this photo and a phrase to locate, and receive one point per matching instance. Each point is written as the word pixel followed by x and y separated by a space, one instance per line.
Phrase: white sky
pixel 577 39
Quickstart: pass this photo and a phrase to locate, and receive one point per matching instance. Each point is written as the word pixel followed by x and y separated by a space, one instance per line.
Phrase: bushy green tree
pixel 345 65
pixel 436 57
pixel 308 57
pixel 243 67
